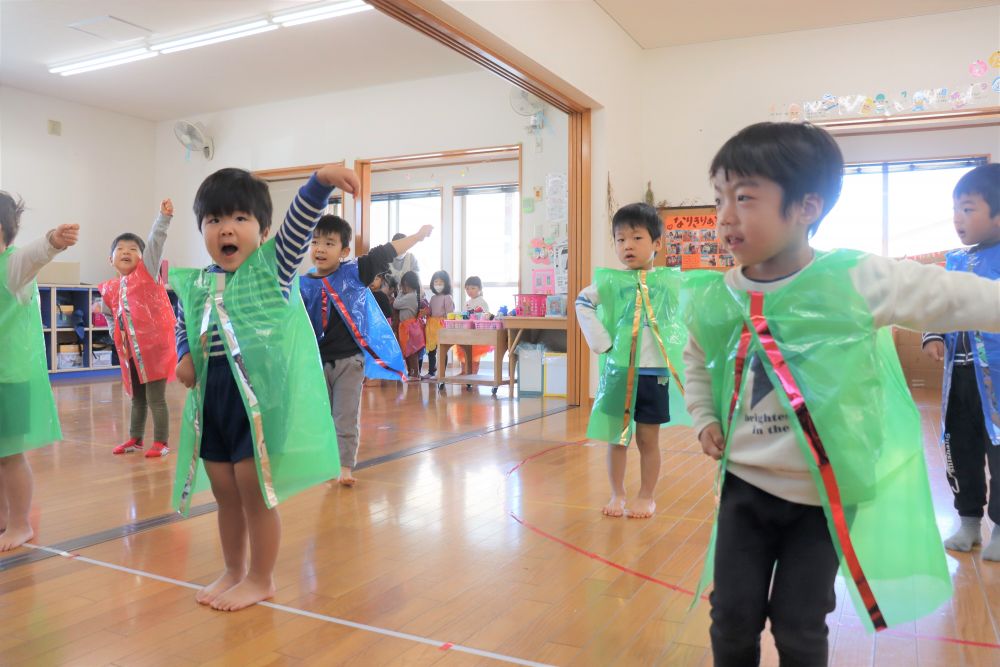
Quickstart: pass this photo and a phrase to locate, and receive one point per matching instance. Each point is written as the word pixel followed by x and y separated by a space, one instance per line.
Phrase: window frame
pixel 507 188
pixel 888 167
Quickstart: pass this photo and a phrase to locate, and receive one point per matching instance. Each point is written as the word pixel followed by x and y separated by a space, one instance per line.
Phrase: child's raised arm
pixel 294 235
pixel 158 238
pixel 403 245
pixel 26 262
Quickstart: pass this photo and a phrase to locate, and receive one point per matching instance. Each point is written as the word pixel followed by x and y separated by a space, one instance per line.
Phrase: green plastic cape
pixel 23 373
pixel 274 358
pixel 628 299
pixel 853 386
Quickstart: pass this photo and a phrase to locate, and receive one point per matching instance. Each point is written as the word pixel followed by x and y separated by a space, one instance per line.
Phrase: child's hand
pixel 339 177
pixel 935 350
pixel 64 236
pixel 185 371
pixel 712 442
pixel 166 207
pixel 425 231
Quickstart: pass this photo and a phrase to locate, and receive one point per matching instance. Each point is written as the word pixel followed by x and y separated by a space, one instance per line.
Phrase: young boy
pixel 247 348
pixel 970 408
pixel 28 417
pixel 354 340
pixel 144 330
pixel 793 382
pixel 621 315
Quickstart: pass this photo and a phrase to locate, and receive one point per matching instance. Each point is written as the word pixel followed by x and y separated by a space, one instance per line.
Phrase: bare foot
pixel 12 538
pixel 615 507
pixel 243 595
pixel 346 478
pixel 226 580
pixel 640 508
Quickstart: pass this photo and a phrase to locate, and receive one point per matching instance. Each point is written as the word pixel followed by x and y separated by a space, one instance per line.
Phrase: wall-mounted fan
pixel 525 103
pixel 195 138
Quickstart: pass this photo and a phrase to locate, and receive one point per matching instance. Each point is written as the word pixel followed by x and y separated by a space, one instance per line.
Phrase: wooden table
pixel 515 326
pixel 496 338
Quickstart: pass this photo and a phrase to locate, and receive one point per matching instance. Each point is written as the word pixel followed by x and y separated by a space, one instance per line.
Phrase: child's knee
pixel 802 634
pixel 735 622
pixel 647 439
pixel 12 461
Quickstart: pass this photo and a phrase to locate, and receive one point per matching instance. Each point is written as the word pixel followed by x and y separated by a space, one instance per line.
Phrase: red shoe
pixel 129 446
pixel 157 450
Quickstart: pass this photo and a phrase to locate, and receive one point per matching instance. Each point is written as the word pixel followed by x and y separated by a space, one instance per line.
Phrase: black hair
pixel 441 275
pixel 474 281
pixel 801 158
pixel 334 225
pixel 128 237
pixel 10 216
pixel 412 280
pixel 230 190
pixel 390 280
pixel 398 235
pixel 638 216
pixel 984 181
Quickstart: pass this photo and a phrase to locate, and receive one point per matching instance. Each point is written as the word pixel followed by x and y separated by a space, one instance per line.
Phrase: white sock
pixel 968 535
pixel 992 552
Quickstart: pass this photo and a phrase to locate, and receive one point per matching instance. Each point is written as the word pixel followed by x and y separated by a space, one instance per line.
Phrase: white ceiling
pixel 658 23
pixel 355 51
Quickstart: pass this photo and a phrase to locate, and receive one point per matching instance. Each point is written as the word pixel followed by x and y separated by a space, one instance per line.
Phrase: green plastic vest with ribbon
pixel 840 382
pixel 24 371
pixel 274 358
pixel 628 301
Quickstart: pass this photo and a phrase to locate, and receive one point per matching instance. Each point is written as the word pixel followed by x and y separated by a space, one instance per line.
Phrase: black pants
pixel 432 362
pixel 966 444
pixel 773 559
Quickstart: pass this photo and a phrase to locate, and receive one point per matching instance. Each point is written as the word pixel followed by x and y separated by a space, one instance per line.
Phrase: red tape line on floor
pixel 635 573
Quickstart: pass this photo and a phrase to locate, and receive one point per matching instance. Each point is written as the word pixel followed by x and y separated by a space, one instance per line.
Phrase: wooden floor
pixel 476 533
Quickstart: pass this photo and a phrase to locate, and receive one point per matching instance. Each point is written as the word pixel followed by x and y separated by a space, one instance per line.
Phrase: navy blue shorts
pixel 652 400
pixel 226 435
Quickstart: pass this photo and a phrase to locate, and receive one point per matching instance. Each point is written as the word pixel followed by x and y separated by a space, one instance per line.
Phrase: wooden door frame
pixel 446 25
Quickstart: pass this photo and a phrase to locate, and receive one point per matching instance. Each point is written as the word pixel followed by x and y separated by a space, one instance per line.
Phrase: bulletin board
pixel 690 239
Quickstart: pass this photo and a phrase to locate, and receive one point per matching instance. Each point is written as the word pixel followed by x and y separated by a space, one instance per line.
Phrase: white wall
pixel 697 96
pixel 577 41
pixel 99 173
pixel 444 113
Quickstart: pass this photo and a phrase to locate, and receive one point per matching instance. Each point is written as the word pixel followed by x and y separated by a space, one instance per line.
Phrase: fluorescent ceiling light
pixel 321 12
pixel 317 12
pixel 216 40
pixel 214 36
pixel 143 56
pixel 101 62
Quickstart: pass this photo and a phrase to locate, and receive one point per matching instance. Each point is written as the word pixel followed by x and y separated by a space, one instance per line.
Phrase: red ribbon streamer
pixel 358 336
pixel 798 403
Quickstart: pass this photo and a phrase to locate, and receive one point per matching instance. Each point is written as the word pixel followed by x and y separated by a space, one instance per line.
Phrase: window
pixel 335 206
pixel 490 220
pixel 406 213
pixel 896 208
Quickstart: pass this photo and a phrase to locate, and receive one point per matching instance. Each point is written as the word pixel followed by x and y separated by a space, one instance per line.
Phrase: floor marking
pixel 436 643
